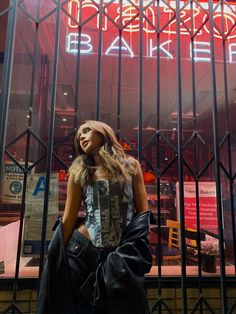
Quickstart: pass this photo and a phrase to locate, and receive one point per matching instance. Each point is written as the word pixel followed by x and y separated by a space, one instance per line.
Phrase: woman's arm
pixel 140 194
pixel 73 202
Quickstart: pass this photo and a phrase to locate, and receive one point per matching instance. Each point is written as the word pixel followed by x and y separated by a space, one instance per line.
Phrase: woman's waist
pixel 86 236
pixel 79 241
pixel 84 231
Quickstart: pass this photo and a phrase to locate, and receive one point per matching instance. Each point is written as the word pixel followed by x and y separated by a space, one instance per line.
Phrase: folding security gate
pixel 161 73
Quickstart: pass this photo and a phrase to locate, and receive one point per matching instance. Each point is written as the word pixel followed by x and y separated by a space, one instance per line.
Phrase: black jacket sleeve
pixel 55 295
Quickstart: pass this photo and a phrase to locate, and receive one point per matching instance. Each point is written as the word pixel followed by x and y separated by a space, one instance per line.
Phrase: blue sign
pixel 15 187
pixel 40 186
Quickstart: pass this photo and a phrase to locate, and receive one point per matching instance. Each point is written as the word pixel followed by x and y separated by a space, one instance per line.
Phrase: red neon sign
pixel 128 19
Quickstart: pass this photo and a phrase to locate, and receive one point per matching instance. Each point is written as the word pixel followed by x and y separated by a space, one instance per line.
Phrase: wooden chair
pixel 171 252
pixel 191 237
pixel 191 245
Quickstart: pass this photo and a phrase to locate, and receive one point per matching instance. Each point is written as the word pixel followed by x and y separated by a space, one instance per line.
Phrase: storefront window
pixel 72 64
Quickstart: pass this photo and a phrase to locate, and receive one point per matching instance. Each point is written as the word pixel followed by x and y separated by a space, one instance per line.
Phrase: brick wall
pixel 26 299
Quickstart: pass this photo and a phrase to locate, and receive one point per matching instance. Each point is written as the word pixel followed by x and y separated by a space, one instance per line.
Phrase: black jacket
pixel 120 275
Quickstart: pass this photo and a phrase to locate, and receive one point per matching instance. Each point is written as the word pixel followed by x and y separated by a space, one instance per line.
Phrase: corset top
pixel 108 211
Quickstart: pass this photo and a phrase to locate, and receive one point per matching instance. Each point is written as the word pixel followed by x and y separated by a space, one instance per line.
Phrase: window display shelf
pixel 166 270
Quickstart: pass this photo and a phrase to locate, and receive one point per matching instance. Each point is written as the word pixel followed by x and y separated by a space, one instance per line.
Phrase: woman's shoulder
pixel 72 178
pixel 133 162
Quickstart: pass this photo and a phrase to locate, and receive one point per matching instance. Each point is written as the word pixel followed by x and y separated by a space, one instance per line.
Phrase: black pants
pixel 83 259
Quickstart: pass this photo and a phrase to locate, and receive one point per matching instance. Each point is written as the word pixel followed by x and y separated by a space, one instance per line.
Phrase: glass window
pixel 148 82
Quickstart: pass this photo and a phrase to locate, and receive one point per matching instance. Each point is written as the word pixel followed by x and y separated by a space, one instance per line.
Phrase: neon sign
pixel 88 15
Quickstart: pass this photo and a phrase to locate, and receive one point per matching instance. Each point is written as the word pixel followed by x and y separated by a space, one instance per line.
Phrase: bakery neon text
pixel 88 20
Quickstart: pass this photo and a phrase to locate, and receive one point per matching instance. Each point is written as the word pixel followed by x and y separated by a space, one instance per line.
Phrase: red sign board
pixel 207 204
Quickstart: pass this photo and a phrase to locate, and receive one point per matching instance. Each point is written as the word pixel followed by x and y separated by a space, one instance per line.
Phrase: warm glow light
pixel 162 49
pixel 201 51
pixel 129 12
pixel 232 51
pixel 72 43
pixel 114 47
pixel 194 19
pixel 74 10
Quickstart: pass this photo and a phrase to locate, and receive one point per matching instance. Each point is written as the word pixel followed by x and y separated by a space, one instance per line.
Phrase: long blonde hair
pixel 112 156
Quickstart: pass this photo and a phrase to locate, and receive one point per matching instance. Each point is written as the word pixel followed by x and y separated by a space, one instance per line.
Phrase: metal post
pixel 98 91
pixel 140 81
pixel 217 162
pixel 180 162
pixel 50 140
pixel 7 75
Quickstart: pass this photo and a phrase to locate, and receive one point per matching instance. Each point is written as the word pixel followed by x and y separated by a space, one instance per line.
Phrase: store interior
pixel 76 100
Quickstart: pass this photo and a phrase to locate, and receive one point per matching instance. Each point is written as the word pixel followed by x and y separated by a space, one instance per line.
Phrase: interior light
pixel 64 119
pixel 65 93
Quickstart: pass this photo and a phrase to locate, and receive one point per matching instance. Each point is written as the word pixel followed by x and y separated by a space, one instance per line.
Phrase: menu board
pixel 207 204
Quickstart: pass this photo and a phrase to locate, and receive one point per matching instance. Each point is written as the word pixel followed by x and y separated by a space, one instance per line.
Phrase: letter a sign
pixel 40 186
pixel 36 186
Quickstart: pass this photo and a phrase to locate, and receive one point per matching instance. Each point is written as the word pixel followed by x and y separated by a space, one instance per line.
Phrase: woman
pixel 99 267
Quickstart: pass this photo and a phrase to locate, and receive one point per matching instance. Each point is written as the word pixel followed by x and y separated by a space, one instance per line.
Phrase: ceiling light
pixel 64 119
pixel 148 128
pixel 185 116
pixel 65 93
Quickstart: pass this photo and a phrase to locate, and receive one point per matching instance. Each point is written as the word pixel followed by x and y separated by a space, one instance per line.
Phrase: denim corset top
pixel 108 211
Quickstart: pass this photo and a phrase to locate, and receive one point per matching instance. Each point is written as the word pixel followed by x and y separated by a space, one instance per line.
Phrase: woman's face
pixel 90 141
